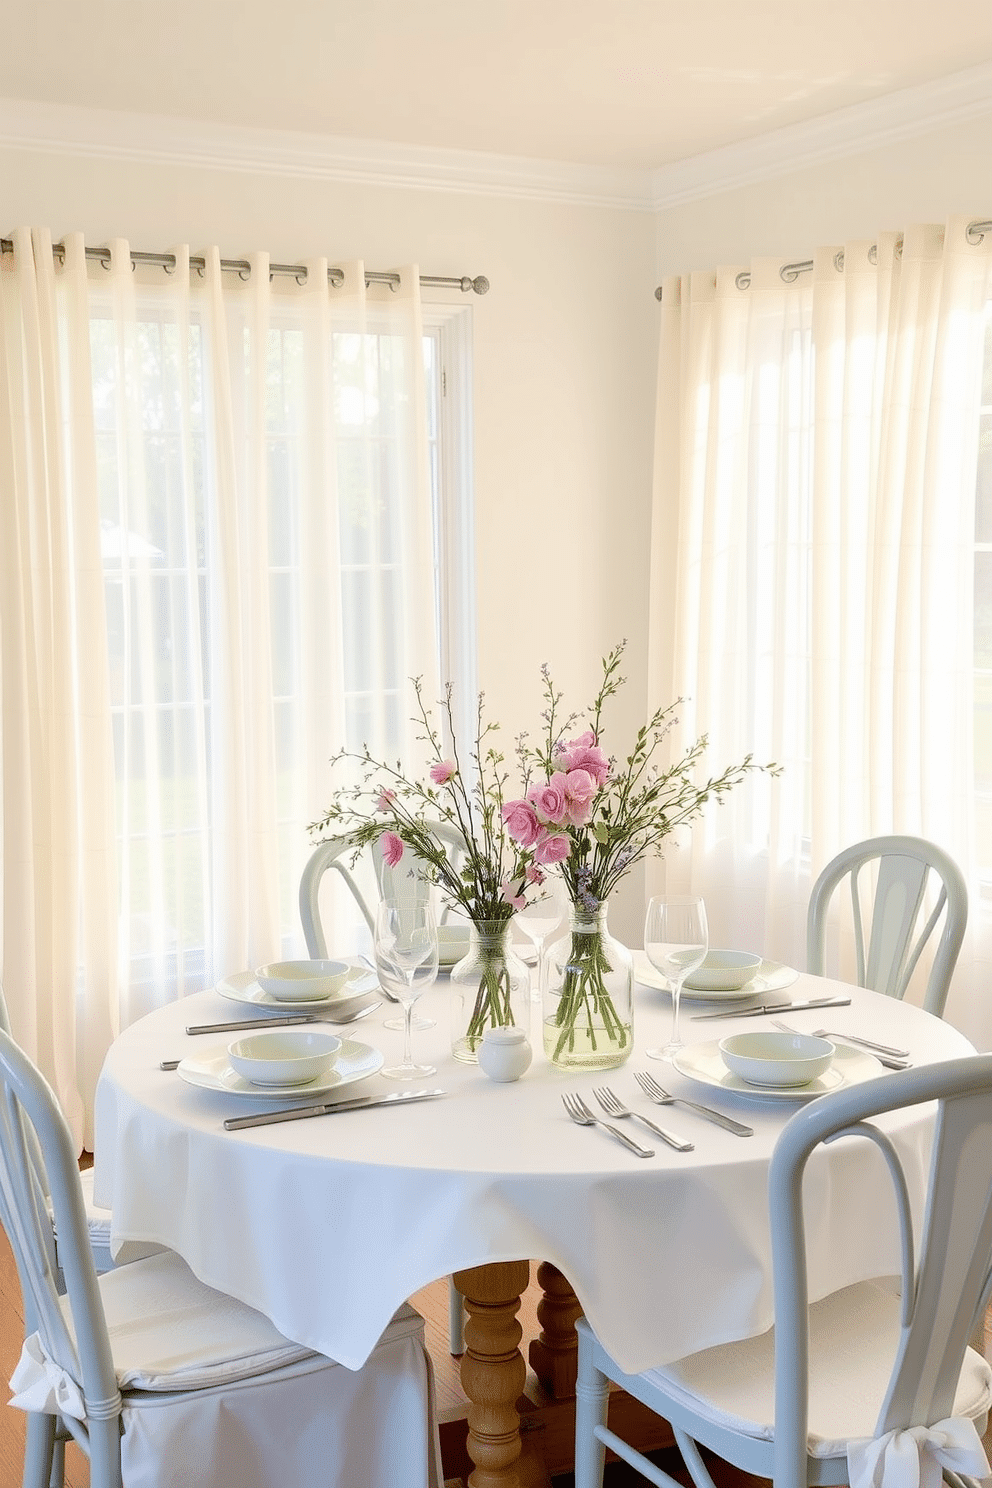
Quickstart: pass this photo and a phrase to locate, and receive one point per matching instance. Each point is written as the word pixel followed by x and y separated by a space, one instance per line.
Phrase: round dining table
pixel 328 1224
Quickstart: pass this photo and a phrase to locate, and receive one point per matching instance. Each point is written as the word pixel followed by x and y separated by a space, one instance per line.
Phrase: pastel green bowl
pixel 723 971
pixel 284 1056
pixel 776 1060
pixel 303 981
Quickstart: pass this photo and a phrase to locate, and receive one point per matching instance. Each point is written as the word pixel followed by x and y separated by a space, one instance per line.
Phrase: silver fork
pixel 888 1058
pixel 262 1023
pixel 615 1107
pixel 580 1113
pixel 661 1097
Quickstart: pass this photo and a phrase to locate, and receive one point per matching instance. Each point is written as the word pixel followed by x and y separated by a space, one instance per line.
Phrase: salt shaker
pixel 504 1053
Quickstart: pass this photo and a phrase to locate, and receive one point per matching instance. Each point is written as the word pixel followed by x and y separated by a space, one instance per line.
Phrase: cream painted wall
pixel 926 179
pixel 564 368
pixel 564 359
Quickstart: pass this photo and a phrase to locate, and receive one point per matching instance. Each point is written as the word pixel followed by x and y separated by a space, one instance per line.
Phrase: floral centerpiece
pixel 596 816
pixel 494 874
pixel 583 814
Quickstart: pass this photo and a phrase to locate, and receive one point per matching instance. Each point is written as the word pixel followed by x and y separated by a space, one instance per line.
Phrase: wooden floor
pixel 432 1303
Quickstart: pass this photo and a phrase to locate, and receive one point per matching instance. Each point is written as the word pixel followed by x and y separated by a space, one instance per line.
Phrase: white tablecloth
pixel 327 1225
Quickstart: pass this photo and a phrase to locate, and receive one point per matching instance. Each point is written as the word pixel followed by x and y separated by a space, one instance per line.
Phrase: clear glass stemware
pixel 406 961
pixel 541 915
pixel 676 939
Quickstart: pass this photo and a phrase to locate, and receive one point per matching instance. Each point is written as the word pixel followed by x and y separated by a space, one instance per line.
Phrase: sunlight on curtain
pixel 820 441
pixel 219 569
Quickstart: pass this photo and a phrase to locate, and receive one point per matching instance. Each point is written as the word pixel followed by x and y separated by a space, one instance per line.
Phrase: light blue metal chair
pixel 905 870
pixel 97 1219
pixel 869 1360
pixel 163 1381
pixel 336 855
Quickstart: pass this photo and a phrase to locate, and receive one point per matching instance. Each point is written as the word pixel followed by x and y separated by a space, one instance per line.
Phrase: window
pixel 319 531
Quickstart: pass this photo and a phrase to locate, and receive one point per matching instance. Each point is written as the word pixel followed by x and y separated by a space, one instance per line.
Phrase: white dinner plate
pixel 242 987
pixel 771 976
pixel 703 1062
pixel 212 1071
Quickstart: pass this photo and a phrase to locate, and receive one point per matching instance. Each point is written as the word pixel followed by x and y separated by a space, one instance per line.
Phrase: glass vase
pixel 490 988
pixel 587 1000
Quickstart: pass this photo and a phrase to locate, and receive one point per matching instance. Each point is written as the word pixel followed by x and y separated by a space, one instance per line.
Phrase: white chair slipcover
pixel 167 1383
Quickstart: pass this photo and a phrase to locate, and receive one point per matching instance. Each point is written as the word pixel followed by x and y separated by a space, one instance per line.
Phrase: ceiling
pixel 617 83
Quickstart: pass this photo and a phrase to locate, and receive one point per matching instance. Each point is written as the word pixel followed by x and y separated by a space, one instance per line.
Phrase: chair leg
pixel 58 1461
pixel 39 1450
pixel 456 1320
pixel 692 1457
pixel 105 1453
pixel 592 1394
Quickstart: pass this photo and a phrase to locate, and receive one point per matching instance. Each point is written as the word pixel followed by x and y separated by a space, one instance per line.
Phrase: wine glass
pixel 539 916
pixel 406 961
pixel 409 895
pixel 675 941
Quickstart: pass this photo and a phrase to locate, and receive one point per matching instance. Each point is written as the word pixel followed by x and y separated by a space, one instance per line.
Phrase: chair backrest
pixel 336 854
pixel 942 1291
pixel 905 869
pixel 37 1156
pixel 407 879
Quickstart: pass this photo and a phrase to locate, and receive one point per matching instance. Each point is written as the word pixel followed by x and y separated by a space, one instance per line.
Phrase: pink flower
pixel 521 822
pixel 442 772
pixel 386 799
pixel 552 847
pixel 549 801
pixel 392 848
pixel 584 753
pixel 579 787
pixel 533 874
pixel 510 892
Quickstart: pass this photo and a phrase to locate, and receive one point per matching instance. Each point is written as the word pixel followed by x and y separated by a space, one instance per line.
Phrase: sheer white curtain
pixel 819 439
pixel 218 568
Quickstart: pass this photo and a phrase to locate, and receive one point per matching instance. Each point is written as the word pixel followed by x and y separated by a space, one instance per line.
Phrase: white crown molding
pixel 108 134
pixel 848 131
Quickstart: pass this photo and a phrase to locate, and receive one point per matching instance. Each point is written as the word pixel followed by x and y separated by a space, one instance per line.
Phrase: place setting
pixel 311 987
pixel 278 1060
pixel 776 1064
pixel 723 976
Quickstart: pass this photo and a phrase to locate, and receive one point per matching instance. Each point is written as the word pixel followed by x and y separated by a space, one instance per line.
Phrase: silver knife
pixel 774 1007
pixel 283 1020
pixel 358 1103
pixel 289 1021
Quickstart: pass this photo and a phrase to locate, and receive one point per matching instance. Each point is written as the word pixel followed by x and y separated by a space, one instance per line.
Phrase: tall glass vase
pixel 587 1003
pixel 490 988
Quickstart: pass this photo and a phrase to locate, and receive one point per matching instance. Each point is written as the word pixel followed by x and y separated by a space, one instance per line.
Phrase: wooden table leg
pixel 493 1369
pixel 554 1356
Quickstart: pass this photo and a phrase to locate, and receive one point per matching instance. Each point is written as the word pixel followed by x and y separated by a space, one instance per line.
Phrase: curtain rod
pixel 240 266
pixel 974 233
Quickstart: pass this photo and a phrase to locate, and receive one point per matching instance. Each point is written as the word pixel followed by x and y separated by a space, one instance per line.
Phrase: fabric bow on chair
pixel 916 1456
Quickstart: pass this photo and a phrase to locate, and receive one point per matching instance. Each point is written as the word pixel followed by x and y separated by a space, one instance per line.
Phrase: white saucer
pixel 771 976
pixel 212 1071
pixel 242 987
pixel 703 1062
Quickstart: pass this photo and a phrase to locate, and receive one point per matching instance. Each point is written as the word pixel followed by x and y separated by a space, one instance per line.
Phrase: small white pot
pixel 504 1053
